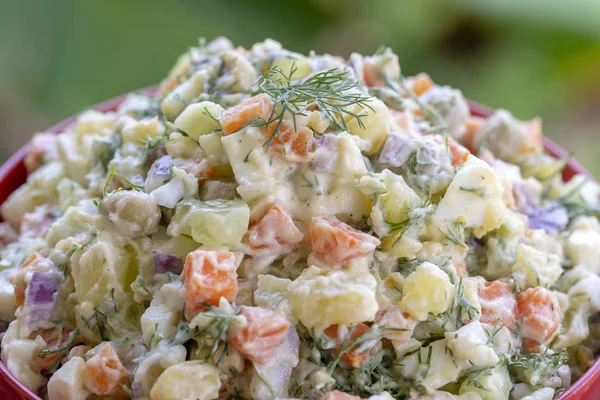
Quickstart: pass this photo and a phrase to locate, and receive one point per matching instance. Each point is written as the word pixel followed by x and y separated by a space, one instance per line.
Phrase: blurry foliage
pixel 534 57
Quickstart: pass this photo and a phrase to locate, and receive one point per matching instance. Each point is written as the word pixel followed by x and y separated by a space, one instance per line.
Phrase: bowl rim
pixel 13 171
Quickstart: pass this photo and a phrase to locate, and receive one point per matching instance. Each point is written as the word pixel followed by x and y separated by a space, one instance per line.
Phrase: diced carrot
pixel 474 124
pixel 234 118
pixel 42 147
pixel 538 313
pixel 459 153
pixel 104 371
pixel 498 303
pixel 337 395
pixel 289 143
pixel 54 339
pixel 276 229
pixel 260 336
pixel 350 358
pixel 208 276
pixel 421 83
pixel 335 242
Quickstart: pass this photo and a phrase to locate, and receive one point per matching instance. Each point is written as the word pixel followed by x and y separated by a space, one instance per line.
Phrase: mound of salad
pixel 270 225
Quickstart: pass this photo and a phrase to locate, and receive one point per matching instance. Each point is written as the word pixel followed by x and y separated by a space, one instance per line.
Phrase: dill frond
pixel 328 91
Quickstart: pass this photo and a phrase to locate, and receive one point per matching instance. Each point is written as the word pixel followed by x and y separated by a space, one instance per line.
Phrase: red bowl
pixel 13 175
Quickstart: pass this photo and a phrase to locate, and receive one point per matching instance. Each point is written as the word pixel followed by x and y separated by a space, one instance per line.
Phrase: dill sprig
pixel 72 336
pixel 351 346
pixel 537 361
pixel 63 351
pixel 472 376
pixel 213 335
pixel 327 91
pixel 452 236
pixel 109 178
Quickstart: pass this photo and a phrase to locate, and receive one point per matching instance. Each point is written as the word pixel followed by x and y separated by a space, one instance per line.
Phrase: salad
pixel 274 225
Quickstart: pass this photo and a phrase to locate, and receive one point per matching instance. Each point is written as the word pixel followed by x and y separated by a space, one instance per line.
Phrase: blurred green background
pixel 534 57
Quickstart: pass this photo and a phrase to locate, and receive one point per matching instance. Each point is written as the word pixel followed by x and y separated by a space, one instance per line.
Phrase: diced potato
pixel 426 290
pixel 272 292
pixel 180 146
pixel 433 364
pixel 131 212
pixel 213 222
pixel 199 119
pixel 287 60
pixel 533 267
pixel 160 319
pixel 212 146
pixel 14 352
pixel 471 343
pixel 39 189
pixel 176 101
pixel 154 363
pixel 490 385
pixel 240 75
pixel 377 124
pixel 68 381
pixel 93 121
pixel 74 221
pixel 323 298
pixel 134 131
pixel 583 244
pixel 474 198
pixel 189 380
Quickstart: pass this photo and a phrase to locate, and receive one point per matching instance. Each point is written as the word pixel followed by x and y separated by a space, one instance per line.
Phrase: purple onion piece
pixel 43 287
pixel 40 298
pixel 396 151
pixel 161 168
pixel 165 262
pixel 552 218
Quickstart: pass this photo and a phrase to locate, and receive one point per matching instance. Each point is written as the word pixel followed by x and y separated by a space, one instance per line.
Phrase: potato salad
pixel 269 225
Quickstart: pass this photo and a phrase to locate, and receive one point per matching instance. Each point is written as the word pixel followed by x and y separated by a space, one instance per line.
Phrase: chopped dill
pixel 72 336
pixel 327 91
pixel 453 236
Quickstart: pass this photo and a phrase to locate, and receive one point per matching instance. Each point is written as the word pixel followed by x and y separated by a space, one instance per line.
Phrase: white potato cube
pixel 471 343
pixel 68 382
pixel 190 380
pixel 426 290
pixel 199 119
pixel 321 298
pixel 474 197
